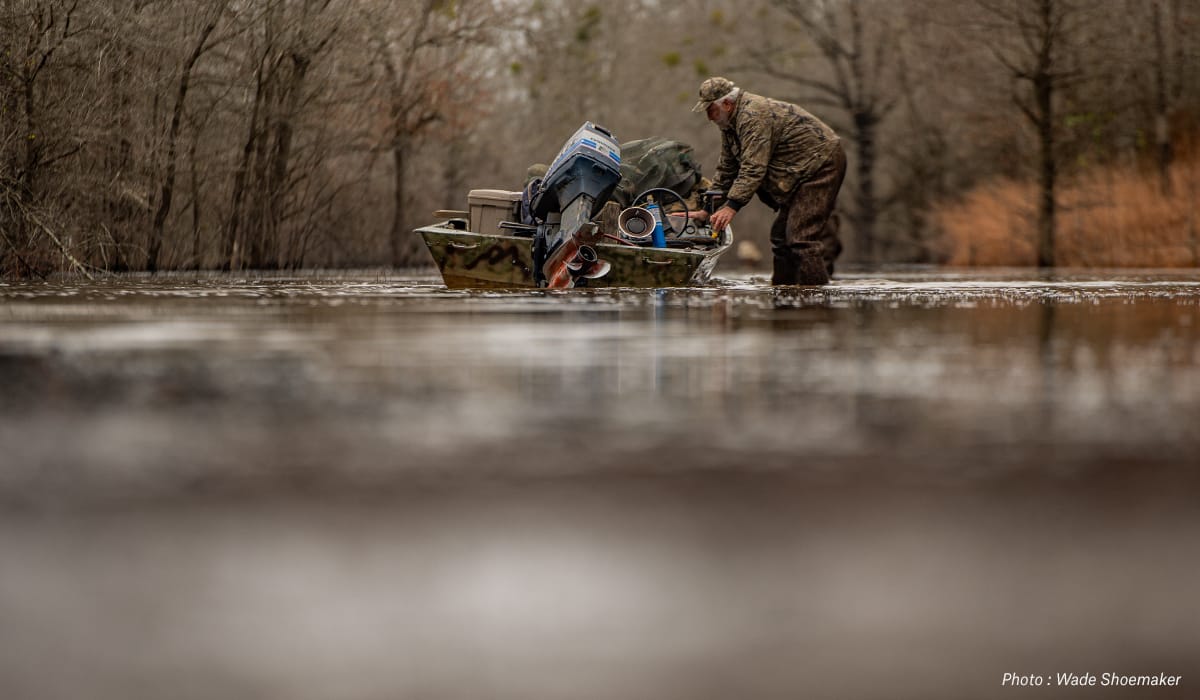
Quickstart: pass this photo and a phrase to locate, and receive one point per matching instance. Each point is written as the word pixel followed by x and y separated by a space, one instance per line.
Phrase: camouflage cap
pixel 712 90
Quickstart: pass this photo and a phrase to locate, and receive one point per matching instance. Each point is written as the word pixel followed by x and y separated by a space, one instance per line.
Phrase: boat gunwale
pixel 699 251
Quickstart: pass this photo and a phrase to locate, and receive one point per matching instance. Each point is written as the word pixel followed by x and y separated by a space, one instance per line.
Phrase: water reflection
pixel 932 373
pixel 903 484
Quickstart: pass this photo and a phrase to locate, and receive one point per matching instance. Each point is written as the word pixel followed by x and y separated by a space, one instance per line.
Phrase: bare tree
pixel 420 53
pixel 1162 130
pixel 859 47
pixel 285 44
pixel 167 191
pixel 1033 41
pixel 37 35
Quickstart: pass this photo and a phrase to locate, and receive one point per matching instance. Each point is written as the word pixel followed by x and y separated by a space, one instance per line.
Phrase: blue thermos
pixel 658 238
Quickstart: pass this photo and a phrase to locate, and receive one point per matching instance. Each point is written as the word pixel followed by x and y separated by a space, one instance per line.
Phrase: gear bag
pixel 656 162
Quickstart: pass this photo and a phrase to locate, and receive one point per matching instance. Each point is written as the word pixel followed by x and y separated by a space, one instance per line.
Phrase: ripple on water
pixel 908 368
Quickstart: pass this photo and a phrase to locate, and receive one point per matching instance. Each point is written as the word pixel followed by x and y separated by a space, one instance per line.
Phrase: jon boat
pixel 568 234
pixel 471 260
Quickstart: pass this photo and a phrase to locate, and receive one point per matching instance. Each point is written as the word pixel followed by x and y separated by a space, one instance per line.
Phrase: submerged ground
pixel 903 485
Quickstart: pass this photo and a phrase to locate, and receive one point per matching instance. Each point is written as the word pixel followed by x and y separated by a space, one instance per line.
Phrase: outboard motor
pixel 577 185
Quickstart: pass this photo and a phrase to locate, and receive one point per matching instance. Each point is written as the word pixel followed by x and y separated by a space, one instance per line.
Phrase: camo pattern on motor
pixel 769 147
pixel 476 261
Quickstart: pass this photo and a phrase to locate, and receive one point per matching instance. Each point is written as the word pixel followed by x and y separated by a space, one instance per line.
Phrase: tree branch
pixel 75 264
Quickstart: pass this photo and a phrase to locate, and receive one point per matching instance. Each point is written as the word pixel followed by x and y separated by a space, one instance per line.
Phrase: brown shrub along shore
pixel 1107 217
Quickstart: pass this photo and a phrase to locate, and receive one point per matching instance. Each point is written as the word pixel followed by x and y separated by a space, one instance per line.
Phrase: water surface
pixel 365 485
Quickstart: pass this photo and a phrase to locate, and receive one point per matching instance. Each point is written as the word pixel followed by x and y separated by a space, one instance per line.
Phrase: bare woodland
pixel 148 135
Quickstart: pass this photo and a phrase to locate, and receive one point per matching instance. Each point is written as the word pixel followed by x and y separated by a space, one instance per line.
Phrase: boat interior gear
pixel 669 226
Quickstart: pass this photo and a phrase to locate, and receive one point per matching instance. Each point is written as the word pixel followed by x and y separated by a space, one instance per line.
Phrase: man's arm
pixel 755 137
pixel 727 165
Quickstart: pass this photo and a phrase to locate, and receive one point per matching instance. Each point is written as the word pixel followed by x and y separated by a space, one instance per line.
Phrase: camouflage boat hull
pixel 486 261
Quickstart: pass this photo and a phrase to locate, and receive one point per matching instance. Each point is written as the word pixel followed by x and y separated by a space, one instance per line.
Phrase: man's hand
pixel 722 217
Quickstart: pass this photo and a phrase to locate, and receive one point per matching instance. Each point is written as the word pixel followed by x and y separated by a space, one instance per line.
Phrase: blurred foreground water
pixel 362 486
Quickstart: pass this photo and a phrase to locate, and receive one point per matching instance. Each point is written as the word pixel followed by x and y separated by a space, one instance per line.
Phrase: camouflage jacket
pixel 768 148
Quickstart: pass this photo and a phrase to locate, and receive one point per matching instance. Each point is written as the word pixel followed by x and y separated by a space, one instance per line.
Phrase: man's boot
pixel 831 246
pixel 807 269
pixel 785 271
pixel 810 269
pixel 804 264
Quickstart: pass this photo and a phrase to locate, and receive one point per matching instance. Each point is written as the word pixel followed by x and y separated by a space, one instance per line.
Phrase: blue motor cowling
pixel 588 165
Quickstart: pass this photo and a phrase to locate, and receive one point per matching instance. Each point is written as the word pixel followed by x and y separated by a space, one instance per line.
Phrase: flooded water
pixel 905 484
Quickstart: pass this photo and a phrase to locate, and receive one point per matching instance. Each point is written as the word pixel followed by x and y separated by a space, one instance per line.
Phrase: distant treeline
pixel 232 134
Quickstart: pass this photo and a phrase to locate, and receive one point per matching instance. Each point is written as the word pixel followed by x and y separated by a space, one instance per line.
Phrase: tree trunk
pixel 168 185
pixel 1046 211
pixel 234 251
pixel 33 146
pixel 1043 88
pixel 197 251
pixel 119 209
pixel 1178 34
pixel 282 152
pixel 257 219
pixel 399 237
pixel 454 196
pixel 1162 127
pixel 868 207
pixel 1193 241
